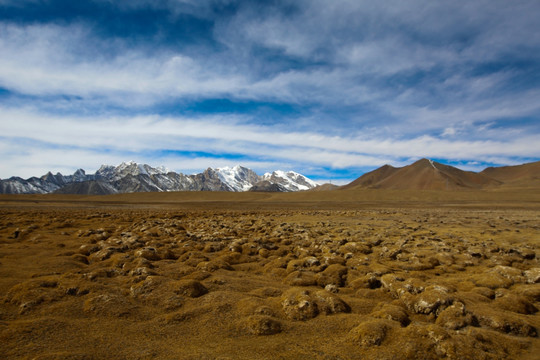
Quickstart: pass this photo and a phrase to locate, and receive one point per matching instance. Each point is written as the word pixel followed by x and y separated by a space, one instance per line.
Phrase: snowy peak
pixel 133 177
pixel 128 168
pixel 290 180
pixel 238 178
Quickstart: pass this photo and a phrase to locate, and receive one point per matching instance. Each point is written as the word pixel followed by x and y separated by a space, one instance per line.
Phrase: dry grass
pixel 318 275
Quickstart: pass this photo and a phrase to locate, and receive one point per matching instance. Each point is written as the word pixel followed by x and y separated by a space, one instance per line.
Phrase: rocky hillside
pixel 133 177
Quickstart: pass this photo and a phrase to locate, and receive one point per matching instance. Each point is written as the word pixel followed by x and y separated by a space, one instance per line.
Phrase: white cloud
pixel 42 60
pixel 104 138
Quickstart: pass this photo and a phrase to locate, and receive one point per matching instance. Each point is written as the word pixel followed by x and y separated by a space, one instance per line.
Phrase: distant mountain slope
pixel 90 187
pixel 132 177
pixel 326 187
pixel 518 175
pixel 267 186
pixel 424 174
pixel 372 178
pixel 290 180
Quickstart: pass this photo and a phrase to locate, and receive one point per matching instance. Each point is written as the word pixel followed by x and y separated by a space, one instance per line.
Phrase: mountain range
pixel 134 177
pixel 426 174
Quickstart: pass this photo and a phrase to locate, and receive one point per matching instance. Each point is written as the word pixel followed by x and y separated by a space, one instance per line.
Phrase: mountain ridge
pixel 426 174
pixel 133 177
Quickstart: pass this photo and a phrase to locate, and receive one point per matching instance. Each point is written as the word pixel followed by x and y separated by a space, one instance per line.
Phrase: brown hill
pixel 424 174
pixel 527 175
pixel 370 179
pixel 325 187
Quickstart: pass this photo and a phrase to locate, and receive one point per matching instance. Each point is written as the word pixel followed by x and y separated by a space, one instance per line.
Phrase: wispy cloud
pixel 227 140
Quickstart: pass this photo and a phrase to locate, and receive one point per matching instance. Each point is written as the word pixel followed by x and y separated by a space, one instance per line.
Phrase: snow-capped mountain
pixel 133 177
pixel 291 180
pixel 128 168
pixel 238 178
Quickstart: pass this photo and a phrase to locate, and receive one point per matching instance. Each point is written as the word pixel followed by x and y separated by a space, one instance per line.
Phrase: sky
pixel 330 89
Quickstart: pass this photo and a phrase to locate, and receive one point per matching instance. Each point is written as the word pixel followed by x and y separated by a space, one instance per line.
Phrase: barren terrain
pixel 321 275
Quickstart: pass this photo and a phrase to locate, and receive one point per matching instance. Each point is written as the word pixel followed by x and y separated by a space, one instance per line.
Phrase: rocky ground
pixel 389 283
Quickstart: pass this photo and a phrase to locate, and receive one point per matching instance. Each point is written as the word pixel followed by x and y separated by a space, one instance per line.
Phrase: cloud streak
pixel 231 139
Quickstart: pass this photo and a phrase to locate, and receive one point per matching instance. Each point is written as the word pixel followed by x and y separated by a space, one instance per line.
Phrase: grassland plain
pixel 363 274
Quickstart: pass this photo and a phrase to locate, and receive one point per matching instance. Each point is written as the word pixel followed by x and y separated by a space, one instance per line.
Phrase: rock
pixel 331 288
pixel 455 317
pixel 148 253
pixel 311 261
pixel 532 275
pixel 298 304
pixel 433 300
pixel 142 271
pixel 509 272
pixel 393 284
pixel 88 249
pixel 102 254
pixel 416 286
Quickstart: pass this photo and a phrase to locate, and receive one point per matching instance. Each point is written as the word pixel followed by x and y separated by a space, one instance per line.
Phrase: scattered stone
pixel 532 275
pixel 509 272
pixel 455 317
pixel 88 249
pixel 148 253
pixel 298 304
pixel 102 254
pixel 433 300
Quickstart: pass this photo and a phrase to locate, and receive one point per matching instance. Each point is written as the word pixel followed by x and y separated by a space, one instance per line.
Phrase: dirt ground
pixel 165 276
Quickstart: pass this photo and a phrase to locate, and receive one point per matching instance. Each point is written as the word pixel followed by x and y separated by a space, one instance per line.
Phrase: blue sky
pixel 331 89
